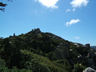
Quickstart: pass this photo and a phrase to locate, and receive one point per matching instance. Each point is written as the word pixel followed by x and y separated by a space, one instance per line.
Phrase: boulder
pixel 89 69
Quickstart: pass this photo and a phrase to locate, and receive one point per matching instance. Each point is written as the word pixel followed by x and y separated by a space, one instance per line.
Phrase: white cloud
pixel 77 37
pixel 79 3
pixel 49 3
pixel 68 10
pixel 72 21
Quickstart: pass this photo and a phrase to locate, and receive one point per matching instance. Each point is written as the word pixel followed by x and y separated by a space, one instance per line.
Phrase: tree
pixel 78 68
pixel 2 5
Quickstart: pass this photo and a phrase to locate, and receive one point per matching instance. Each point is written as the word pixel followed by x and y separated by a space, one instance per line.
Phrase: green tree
pixel 78 68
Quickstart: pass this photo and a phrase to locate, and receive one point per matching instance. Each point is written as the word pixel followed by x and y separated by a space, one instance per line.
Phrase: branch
pixel 2 9
pixel 2 4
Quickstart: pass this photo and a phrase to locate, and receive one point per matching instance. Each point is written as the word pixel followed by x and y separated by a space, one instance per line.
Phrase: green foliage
pixel 78 68
pixel 36 51
pixel 41 64
pixel 65 64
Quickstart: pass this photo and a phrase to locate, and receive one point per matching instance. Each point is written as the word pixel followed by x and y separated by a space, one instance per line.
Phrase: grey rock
pixel 89 69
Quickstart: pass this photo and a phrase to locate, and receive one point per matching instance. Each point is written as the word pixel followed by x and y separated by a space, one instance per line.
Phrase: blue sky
pixel 73 20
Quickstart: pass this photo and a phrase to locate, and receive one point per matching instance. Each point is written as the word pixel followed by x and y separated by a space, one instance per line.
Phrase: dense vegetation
pixel 36 51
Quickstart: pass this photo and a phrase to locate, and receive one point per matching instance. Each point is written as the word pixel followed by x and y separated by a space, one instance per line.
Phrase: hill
pixel 37 51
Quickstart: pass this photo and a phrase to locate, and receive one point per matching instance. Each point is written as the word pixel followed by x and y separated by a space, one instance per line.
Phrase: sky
pixel 73 20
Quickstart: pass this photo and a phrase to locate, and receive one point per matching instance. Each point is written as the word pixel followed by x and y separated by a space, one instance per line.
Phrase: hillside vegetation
pixel 37 51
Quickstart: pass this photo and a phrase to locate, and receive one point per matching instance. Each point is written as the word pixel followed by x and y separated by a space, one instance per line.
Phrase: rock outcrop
pixel 89 69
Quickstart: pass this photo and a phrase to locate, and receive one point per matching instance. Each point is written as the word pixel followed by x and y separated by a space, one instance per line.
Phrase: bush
pixel 78 68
